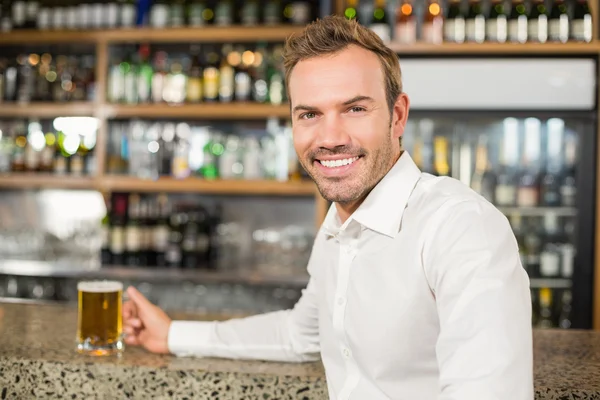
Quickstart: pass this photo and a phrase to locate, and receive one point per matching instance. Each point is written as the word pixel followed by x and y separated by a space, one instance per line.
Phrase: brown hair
pixel 334 33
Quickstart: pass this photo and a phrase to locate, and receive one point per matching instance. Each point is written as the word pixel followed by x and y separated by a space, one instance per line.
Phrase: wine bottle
pixel 558 25
pixel 517 22
pixel 406 24
pixel 537 24
pixel 379 21
pixel 475 23
pixel 454 26
pixel 497 23
pixel 582 22
pixel 433 23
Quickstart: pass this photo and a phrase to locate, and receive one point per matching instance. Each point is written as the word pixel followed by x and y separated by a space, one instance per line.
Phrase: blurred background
pixel 150 142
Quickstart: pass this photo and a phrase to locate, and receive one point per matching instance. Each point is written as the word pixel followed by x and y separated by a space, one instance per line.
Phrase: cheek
pixel 303 138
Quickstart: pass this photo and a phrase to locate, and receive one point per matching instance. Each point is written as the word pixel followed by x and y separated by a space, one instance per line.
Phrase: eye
pixel 308 115
pixel 355 109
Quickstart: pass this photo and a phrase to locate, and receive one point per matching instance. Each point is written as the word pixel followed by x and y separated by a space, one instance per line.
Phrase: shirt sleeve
pixel 483 299
pixel 288 336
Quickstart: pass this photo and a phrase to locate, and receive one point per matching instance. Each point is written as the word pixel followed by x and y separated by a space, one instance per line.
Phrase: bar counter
pixel 38 360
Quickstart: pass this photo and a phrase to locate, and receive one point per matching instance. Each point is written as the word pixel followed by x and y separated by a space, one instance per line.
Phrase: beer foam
pixel 99 286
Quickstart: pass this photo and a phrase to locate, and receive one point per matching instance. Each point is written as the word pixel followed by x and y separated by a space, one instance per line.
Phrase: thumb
pixel 141 302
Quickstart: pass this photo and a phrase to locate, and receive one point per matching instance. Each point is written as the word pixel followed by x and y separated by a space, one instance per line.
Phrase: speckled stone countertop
pixel 38 361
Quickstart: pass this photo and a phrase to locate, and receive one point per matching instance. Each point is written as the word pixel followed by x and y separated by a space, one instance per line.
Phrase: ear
pixel 400 115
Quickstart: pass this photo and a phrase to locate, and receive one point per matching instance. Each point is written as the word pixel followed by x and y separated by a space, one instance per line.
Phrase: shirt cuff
pixel 188 338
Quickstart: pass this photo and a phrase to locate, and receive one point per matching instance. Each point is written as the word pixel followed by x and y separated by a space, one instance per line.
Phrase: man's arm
pixel 482 293
pixel 290 335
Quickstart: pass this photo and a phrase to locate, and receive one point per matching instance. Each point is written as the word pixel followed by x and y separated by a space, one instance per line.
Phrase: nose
pixel 332 133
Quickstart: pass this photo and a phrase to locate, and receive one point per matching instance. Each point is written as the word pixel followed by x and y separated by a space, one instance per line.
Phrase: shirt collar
pixel 384 206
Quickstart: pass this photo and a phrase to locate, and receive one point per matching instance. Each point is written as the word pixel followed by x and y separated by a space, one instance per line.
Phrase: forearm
pixel 274 336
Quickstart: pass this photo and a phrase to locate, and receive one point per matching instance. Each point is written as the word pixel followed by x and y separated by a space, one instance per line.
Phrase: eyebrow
pixel 353 100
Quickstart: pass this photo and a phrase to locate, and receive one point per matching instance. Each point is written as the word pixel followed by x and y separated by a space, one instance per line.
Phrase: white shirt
pixel 419 295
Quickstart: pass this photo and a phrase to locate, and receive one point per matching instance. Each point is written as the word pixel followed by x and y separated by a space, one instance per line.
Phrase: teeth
pixel 338 163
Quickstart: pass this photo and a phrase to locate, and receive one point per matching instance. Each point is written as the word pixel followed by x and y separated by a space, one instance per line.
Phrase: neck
pixel 346 209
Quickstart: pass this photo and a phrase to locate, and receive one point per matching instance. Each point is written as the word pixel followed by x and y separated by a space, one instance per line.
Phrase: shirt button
pixel 341 301
pixel 346 352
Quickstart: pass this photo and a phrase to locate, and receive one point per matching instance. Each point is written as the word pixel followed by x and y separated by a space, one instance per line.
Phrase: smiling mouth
pixel 338 163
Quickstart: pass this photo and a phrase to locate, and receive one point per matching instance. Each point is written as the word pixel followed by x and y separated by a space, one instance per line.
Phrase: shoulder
pixel 442 203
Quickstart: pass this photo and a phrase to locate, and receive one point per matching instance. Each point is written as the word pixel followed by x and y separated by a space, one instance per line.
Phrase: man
pixel 416 290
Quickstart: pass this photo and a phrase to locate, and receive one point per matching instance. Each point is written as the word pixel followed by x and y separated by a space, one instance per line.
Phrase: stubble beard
pixel 349 190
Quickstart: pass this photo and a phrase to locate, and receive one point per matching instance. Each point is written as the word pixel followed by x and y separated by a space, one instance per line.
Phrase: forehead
pixel 339 76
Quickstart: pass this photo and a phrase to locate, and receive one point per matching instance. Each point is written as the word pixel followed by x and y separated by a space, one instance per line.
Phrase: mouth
pixel 337 167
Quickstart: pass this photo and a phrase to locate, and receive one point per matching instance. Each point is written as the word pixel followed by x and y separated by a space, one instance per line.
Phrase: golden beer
pixel 99 322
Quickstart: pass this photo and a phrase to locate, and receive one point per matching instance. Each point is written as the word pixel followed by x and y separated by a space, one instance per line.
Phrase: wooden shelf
pixel 167 35
pixel 535 49
pixel 46 110
pixel 203 34
pixel 199 111
pixel 44 181
pixel 196 185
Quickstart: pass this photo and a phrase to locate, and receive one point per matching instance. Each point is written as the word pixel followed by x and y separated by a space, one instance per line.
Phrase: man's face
pixel 343 132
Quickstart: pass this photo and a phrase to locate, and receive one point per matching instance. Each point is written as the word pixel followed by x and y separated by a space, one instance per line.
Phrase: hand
pixel 145 324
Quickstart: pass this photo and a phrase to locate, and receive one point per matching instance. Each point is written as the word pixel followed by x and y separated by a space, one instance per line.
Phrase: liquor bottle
pixel 550 182
pixel 47 154
pixel 379 22
pixel 32 9
pixel 545 316
pixel 99 19
pixel 564 318
pixel 275 76
pixel 194 87
pixel 260 88
pixel 129 70
pixel 127 12
pixel 532 249
pixel 174 91
pixel 159 14
pixel 159 77
pixel 351 10
pixel 59 16
pixel 406 23
pixel 211 75
pixel 454 25
pixel 227 76
pixel 517 22
pixel 558 25
pixel 189 241
pixel 250 13
pixel 173 255
pixel 19 14
pixel 198 13
pixel 118 220
pixel 581 24
pixel 6 17
pixel 568 260
pixel 433 23
pixel 77 165
pixel 475 23
pixel 568 185
pixel 177 13
pixel 145 226
pixel 528 192
pixel 25 80
pixel 111 11
pixel 212 150
pixel 116 82
pixel 272 12
pixel 550 255
pixel 441 164
pixel 161 231
pixel 537 24
pixel 224 13
pixel 497 23
pixel 61 156
pixel 144 76
pixel 180 168
pixel 133 232
pixel 35 143
pixel 484 180
pixel 105 257
pixel 243 82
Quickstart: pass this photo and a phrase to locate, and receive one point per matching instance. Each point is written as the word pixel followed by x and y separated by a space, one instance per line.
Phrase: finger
pixel 132 341
pixel 138 298
pixel 134 323
pixel 129 310
pixel 130 331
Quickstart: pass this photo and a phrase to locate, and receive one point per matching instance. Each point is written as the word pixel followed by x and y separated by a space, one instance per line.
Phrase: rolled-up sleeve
pixel 484 349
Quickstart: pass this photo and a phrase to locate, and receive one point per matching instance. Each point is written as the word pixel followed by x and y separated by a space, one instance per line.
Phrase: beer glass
pixel 99 322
